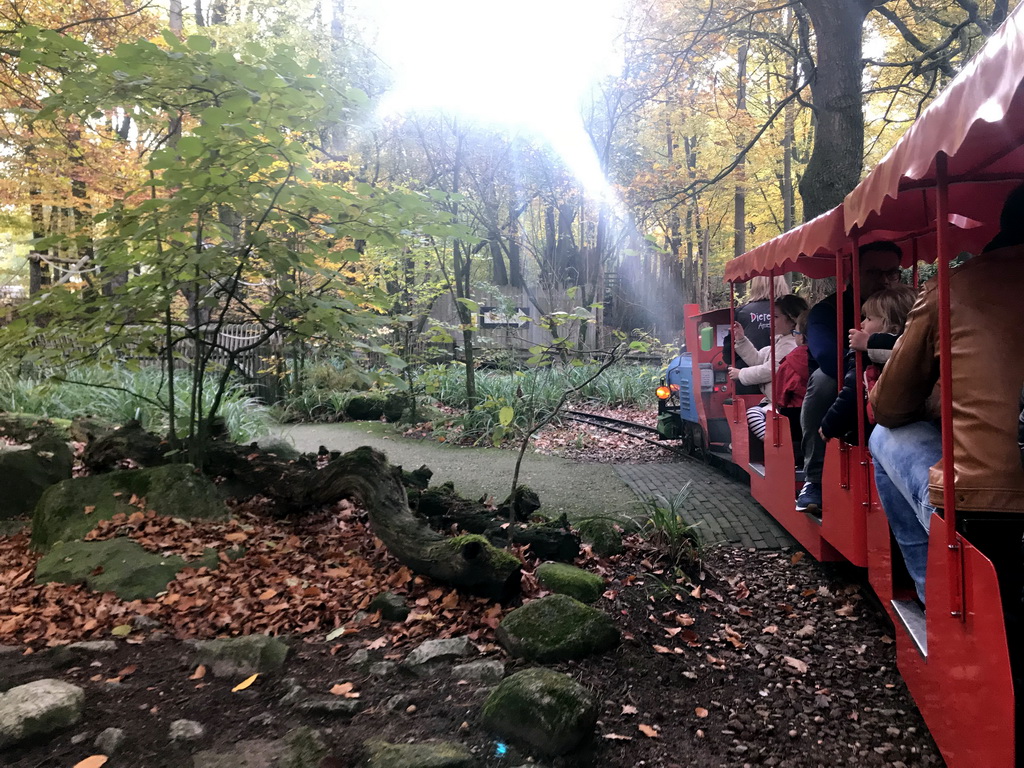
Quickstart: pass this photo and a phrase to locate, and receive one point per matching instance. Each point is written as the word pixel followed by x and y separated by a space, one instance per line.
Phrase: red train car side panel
pixel 844 500
pixel 773 483
pixel 963 687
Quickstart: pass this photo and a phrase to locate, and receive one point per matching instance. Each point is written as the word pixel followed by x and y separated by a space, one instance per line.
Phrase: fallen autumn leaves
pixel 302 577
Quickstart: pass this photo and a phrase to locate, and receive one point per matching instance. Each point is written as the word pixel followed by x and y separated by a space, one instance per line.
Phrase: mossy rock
pixel 246 655
pixel 395 404
pixel 26 474
pixel 568 580
pixel 28 427
pixel 445 754
pixel 368 407
pixel 305 748
pixel 603 535
pixel 542 710
pixel 557 628
pixel 117 565
pixel 175 490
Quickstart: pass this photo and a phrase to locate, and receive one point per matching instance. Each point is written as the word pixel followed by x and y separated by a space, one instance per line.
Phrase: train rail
pixel 627 428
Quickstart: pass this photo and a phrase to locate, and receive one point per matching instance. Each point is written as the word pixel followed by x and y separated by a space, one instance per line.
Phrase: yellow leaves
pixel 122 630
pixel 199 674
pixel 700 712
pixel 650 732
pixel 245 683
pixel 94 761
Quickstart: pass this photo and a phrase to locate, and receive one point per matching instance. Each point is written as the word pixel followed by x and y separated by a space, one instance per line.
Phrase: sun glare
pixel 523 66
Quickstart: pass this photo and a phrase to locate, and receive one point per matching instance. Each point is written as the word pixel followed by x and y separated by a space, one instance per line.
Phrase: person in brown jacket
pixel 988 366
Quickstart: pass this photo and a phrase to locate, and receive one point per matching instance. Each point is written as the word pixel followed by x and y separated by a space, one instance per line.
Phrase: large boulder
pixel 556 628
pixel 445 754
pixel 38 709
pixel 72 508
pixel 542 710
pixel 26 473
pixel 568 580
pixel 246 655
pixel 118 565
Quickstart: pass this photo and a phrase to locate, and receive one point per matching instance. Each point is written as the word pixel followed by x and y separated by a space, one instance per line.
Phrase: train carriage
pixel 937 193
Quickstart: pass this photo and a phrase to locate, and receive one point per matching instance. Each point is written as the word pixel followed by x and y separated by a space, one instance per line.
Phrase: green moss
pixel 496 558
pixel 72 508
pixel 557 628
pixel 603 534
pixel 306 748
pixel 381 754
pixel 117 565
pixel 543 709
pixel 569 580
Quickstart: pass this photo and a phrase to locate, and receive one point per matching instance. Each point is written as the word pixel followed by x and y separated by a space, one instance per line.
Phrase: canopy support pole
pixel 953 547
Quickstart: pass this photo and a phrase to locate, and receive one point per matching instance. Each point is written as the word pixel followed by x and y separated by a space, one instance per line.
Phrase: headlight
pixel 663 392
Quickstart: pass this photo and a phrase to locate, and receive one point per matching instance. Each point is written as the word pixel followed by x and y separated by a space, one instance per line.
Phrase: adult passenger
pixel 879 269
pixel 755 314
pixel 754 317
pixel 988 366
pixel 758 359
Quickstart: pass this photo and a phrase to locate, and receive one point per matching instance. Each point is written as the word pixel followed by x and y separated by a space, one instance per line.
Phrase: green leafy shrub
pixel 666 529
pixel 119 395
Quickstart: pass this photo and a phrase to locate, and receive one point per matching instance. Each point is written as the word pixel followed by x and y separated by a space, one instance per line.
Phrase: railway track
pixel 628 428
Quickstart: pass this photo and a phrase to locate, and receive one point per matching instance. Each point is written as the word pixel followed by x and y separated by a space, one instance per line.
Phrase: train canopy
pixel 809 248
pixel 978 122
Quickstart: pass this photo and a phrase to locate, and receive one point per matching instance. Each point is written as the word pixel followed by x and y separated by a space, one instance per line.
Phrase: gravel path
pixel 563 485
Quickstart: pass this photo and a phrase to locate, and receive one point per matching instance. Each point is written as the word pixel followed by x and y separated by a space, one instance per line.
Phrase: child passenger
pixel 884 315
pixel 790 387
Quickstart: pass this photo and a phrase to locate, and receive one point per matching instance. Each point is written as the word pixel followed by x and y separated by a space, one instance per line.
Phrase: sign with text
pixel 495 317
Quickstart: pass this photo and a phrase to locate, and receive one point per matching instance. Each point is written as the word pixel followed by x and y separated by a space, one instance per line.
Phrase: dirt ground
pixel 772 660
pixel 757 658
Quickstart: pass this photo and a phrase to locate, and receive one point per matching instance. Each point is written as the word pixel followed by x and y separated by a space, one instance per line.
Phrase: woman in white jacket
pixel 787 309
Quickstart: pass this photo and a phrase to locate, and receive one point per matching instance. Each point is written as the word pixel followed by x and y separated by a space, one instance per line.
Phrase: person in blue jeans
pixel 879 269
pixel 903 459
pixel 987 360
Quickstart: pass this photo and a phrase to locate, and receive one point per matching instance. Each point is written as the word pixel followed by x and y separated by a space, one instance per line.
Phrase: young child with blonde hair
pixel 883 316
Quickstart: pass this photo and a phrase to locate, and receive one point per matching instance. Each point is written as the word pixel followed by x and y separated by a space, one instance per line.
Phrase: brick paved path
pixel 722 505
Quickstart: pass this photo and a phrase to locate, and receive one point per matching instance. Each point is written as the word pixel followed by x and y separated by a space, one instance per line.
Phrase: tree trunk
pixel 834 167
pixel 469 563
pixel 39 270
pixel 499 274
pixel 788 199
pixel 515 264
pixel 175 21
pixel 740 199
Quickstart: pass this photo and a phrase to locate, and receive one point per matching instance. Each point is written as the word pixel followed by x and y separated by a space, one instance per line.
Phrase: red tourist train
pixel 937 193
